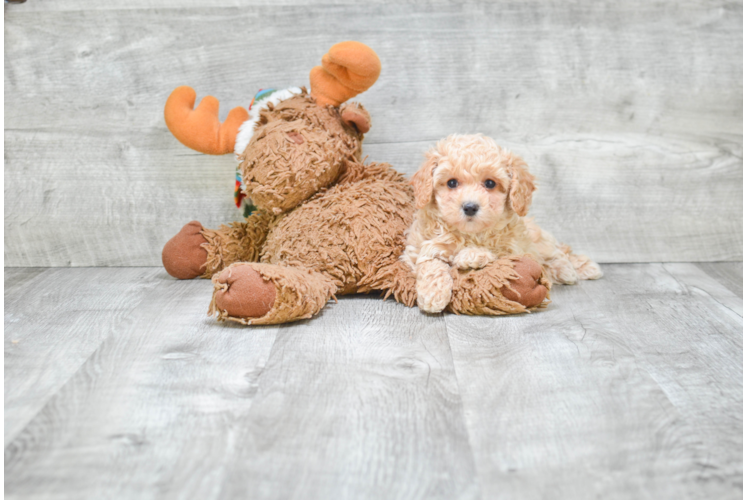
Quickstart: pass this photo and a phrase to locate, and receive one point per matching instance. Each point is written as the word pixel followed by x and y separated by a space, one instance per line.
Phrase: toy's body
pixel 345 240
pixel 327 224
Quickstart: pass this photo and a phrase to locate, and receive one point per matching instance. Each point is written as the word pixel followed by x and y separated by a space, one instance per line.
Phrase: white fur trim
pixel 247 129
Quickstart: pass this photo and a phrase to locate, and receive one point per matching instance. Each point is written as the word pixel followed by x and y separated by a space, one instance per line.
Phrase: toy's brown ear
pixel 521 185
pixel 423 180
pixel 356 116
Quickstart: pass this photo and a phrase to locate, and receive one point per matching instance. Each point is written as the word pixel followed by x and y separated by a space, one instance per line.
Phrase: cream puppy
pixel 472 196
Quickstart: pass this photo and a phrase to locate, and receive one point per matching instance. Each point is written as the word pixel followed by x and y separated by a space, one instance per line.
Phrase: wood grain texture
pixel 627 387
pixel 360 402
pixel 630 114
pixel 54 321
pixel 729 274
pixel 78 5
pixel 153 410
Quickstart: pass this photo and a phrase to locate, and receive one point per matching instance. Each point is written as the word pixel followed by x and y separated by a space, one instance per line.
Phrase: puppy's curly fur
pixel 472 197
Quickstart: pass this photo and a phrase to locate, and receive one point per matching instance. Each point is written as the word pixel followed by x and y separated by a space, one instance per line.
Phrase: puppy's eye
pixel 490 184
pixel 452 183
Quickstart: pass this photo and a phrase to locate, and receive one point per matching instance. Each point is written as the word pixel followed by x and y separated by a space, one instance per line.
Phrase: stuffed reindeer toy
pixel 325 224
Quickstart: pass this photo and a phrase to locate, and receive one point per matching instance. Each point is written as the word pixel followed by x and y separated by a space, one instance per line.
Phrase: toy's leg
pixel 184 256
pixel 196 251
pixel 395 278
pixel 241 242
pixel 265 294
pixel 505 286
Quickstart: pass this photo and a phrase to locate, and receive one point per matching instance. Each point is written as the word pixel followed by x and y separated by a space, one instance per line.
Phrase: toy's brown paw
pixel 246 293
pixel 527 290
pixel 183 257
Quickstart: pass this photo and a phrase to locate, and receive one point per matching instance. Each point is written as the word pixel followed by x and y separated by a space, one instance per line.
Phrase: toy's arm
pixel 507 285
pixel 199 129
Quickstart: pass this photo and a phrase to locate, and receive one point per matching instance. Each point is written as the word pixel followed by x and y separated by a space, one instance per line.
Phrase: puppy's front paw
pixel 473 258
pixel 433 286
pixel 434 300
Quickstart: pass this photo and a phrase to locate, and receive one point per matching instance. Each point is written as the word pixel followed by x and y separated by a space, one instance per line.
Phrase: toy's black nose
pixel 470 208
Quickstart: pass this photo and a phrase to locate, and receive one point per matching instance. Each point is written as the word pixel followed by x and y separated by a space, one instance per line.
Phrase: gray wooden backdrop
pixel 629 113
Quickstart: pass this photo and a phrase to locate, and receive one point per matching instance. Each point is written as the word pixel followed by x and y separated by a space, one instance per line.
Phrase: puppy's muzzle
pixel 470 208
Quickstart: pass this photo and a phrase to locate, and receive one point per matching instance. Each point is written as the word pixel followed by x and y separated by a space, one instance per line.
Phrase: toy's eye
pixel 490 184
pixel 452 183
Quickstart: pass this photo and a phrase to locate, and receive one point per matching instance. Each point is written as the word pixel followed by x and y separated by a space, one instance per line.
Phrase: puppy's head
pixel 473 183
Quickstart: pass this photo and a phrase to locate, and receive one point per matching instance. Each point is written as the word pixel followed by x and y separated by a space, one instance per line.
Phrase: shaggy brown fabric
pixel 353 233
pixel 297 149
pixel 184 256
pixel 299 294
pixel 482 291
pixel 240 242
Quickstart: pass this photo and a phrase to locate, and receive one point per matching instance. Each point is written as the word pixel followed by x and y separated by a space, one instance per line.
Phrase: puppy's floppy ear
pixel 423 180
pixel 356 116
pixel 521 185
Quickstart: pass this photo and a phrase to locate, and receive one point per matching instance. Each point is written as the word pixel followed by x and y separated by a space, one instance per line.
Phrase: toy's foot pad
pixel 527 290
pixel 243 293
pixel 183 255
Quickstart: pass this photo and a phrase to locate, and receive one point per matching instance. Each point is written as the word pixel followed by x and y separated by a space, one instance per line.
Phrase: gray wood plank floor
pixel 118 386
pixel 730 274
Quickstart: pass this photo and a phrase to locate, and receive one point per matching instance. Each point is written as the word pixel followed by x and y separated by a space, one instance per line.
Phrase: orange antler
pixel 199 129
pixel 348 69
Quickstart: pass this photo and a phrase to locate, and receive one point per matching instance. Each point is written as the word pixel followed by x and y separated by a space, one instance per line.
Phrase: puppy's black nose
pixel 470 208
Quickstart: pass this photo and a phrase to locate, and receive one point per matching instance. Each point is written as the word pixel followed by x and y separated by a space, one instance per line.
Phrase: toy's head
pixel 298 148
pixel 296 143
